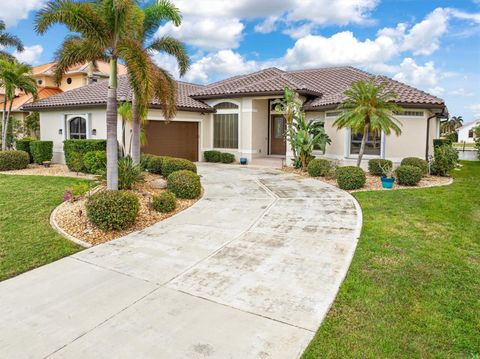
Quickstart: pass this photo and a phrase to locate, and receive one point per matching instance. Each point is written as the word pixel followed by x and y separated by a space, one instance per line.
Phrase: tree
pixel 452 124
pixel 290 106
pixel 164 86
pixel 103 30
pixel 8 40
pixel 14 76
pixel 368 107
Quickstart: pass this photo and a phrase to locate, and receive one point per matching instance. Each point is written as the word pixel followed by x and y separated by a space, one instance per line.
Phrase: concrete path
pixel 247 272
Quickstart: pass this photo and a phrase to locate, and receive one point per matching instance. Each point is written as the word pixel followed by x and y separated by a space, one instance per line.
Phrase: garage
pixel 174 138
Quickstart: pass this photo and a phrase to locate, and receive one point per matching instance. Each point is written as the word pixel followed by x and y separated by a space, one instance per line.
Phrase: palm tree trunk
pixel 112 141
pixel 362 146
pixel 4 131
pixel 135 132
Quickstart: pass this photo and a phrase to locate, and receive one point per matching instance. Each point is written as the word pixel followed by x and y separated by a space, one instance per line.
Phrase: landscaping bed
pixel 55 169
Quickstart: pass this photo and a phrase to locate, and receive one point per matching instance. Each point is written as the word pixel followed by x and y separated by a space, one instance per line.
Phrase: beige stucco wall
pixel 78 80
pixel 260 128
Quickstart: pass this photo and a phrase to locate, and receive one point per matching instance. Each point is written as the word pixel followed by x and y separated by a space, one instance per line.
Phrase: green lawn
pixel 413 289
pixel 26 238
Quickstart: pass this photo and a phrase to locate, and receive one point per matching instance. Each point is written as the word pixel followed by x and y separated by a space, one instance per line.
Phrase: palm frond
pixel 175 48
pixel 165 92
pixel 155 14
pixel 8 40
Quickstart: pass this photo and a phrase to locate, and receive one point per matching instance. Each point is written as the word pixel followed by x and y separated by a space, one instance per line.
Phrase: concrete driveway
pixel 247 272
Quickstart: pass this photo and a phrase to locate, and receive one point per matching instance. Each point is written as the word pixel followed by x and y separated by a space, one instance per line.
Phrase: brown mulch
pixel 55 169
pixel 374 183
pixel 71 216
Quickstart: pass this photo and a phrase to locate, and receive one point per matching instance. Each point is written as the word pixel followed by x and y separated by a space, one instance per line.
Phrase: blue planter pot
pixel 387 182
pixel 243 161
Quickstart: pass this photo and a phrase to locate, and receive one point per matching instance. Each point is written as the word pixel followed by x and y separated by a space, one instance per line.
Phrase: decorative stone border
pixel 59 230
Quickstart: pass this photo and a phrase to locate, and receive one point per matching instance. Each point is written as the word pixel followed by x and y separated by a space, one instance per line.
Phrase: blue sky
pixel 432 45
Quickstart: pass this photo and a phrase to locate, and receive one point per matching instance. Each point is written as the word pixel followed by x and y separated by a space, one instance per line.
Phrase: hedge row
pixel 74 151
pixel 13 160
pixel 217 156
pixel 164 165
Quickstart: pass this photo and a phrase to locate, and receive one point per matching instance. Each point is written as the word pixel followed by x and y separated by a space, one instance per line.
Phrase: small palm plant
pixel 368 108
pixel 290 106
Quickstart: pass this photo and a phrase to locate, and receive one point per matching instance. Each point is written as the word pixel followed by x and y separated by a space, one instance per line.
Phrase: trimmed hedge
pixel 82 147
pixel 408 175
pixel 153 163
pixel 171 164
pixel 376 166
pixel 165 202
pixel 416 162
pixel 212 156
pixel 24 145
pixel 95 162
pixel 112 210
pixel 227 157
pixel 13 160
pixel 319 167
pixel 350 177
pixel 438 142
pixel 41 151
pixel 184 184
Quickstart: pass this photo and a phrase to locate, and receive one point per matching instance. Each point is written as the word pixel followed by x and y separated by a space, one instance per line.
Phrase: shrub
pixel 408 175
pixel 95 162
pixel 128 173
pixel 171 165
pixel 452 137
pixel 24 145
pixel 184 184
pixel 445 160
pixel 76 162
pixel 319 167
pixel 152 163
pixel 164 202
pixel 145 160
pixel 477 146
pixel 41 151
pixel 438 142
pixel 112 210
pixel 377 166
pixel 212 156
pixel 82 147
pixel 416 162
pixel 13 160
pixel 227 157
pixel 350 177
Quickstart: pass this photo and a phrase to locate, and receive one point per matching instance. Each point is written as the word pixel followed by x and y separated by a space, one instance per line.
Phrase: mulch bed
pixel 72 218
pixel 55 169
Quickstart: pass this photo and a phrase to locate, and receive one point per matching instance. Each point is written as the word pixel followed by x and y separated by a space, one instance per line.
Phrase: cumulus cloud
pixel 13 10
pixel 475 108
pixel 461 92
pixel 30 54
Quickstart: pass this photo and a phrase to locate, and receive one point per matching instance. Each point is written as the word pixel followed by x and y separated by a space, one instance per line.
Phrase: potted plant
pixel 387 178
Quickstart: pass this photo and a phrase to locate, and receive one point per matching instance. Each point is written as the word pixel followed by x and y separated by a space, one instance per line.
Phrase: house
pixel 238 115
pixel 466 133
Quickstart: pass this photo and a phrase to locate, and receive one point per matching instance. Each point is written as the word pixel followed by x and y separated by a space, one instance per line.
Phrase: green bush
pixel 319 167
pixel 184 184
pixel 24 145
pixel 76 162
pixel 145 160
pixel 128 173
pixel 416 162
pixel 13 160
pixel 212 156
pixel 227 157
pixel 82 147
pixel 350 177
pixel 445 159
pixel 41 151
pixel 112 210
pixel 95 162
pixel 377 166
pixel 171 165
pixel 477 146
pixel 164 202
pixel 80 189
pixel 408 175
pixel 153 163
pixel 438 142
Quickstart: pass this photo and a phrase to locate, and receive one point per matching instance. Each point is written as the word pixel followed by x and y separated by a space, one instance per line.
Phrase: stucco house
pixel 466 133
pixel 238 115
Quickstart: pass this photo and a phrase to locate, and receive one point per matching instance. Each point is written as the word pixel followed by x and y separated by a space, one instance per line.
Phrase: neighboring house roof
pixel 469 125
pixel 103 68
pixel 96 95
pixel 43 92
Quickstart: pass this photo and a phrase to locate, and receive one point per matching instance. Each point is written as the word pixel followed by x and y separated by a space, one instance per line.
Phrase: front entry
pixel 278 144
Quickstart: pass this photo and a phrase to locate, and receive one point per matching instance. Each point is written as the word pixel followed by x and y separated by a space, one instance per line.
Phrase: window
pixel 225 106
pixel 372 146
pixel 470 133
pixel 78 128
pixel 409 113
pixel 225 130
pixel 69 80
pixel 39 82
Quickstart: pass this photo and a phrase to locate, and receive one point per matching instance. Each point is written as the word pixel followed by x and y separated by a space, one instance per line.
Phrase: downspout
pixel 435 115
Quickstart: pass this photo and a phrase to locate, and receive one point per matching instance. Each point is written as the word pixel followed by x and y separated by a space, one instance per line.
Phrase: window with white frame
pixel 77 128
pixel 372 145
pixel 225 125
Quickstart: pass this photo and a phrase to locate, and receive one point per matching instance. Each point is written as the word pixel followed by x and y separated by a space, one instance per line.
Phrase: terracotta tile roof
pixel 22 99
pixel 96 94
pixel 103 68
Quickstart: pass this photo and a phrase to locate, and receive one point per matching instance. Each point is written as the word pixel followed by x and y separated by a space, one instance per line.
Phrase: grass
pixel 461 145
pixel 413 288
pixel 26 238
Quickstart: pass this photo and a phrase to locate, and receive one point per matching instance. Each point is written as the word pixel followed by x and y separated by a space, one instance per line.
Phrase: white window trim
pixel 347 154
pixel 227 112
pixel 69 117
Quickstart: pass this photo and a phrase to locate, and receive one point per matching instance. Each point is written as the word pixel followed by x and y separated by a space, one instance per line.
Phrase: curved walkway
pixel 247 272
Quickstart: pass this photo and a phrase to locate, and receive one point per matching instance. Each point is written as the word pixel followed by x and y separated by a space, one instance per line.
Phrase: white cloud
pixel 14 10
pixel 465 15
pixel 268 25
pixel 461 92
pixel 417 75
pixel 475 108
pixel 30 54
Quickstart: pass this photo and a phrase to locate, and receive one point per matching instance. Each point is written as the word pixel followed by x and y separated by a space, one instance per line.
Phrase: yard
pixel 412 289
pixel 26 238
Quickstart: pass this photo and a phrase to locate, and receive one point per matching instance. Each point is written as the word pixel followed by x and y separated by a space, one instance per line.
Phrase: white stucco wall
pixel 463 133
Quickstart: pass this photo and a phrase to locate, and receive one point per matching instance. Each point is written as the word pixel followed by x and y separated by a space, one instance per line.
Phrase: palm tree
pixel 104 30
pixel 164 86
pixel 14 76
pixel 452 124
pixel 7 40
pixel 368 107
pixel 291 107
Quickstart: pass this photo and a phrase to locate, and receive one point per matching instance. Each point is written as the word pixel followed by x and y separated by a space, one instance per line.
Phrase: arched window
pixel 225 106
pixel 225 125
pixel 78 128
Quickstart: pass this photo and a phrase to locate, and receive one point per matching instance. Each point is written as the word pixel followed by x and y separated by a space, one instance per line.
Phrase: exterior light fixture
pixel 60 131
pixel 94 132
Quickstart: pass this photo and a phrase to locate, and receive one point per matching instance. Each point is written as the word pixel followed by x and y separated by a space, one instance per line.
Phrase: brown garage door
pixel 174 138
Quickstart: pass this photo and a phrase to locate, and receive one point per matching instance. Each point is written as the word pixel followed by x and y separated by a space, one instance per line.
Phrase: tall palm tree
pixel 103 30
pixel 368 107
pixel 14 76
pixel 452 124
pixel 8 40
pixel 164 86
